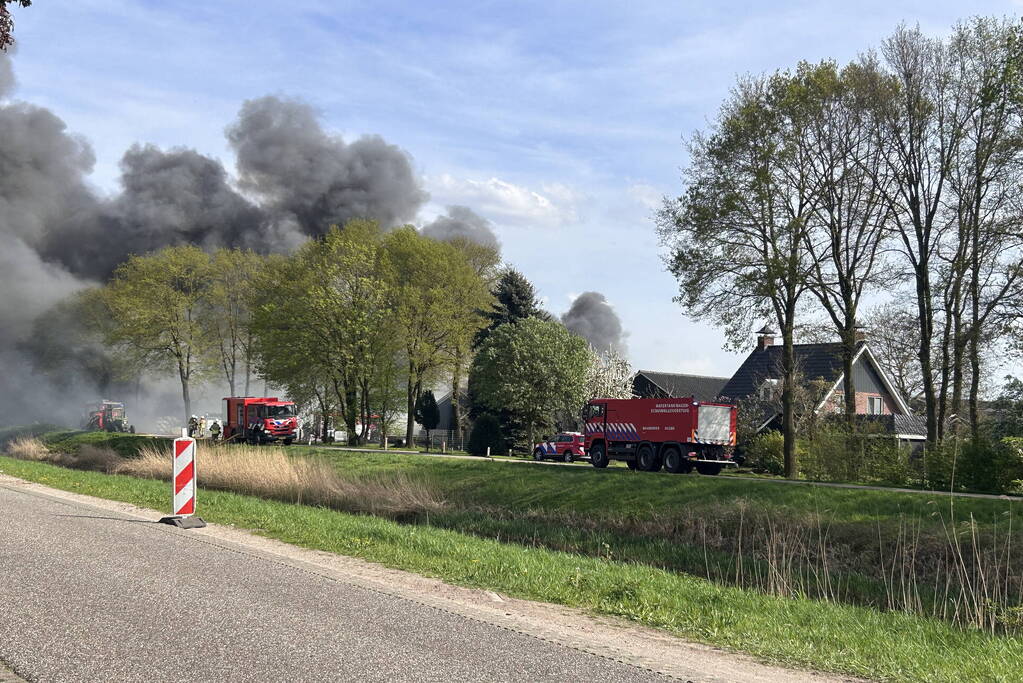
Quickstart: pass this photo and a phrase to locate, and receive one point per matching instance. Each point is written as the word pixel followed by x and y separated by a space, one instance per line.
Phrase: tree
pixel 324 318
pixel 155 305
pixel 533 370
pixel 437 293
pixel 427 414
pixel 514 300
pixel 485 437
pixel 7 22
pixel 737 234
pixel 609 375
pixel 985 182
pixel 483 260
pixel 846 229
pixel 919 118
pixel 893 331
pixel 230 301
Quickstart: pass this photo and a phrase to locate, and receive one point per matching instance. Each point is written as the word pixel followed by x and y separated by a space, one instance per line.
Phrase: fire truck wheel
pixel 598 457
pixel 673 461
pixel 647 459
pixel 708 468
pixel 569 456
pixel 538 455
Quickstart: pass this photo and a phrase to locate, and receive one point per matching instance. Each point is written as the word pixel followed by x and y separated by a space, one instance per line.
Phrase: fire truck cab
pixel 259 420
pixel 678 434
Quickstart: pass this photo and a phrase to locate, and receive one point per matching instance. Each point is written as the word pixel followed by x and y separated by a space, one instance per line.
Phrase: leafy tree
pixel 427 414
pixel 514 300
pixel 483 260
pixel 7 22
pixel 229 310
pixel 737 234
pixel 532 370
pixel 324 317
pixel 1007 410
pixel 486 433
pixel 155 305
pixel 437 294
pixel 847 227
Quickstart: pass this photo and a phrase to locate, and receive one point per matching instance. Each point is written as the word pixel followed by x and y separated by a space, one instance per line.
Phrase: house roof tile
pixel 700 387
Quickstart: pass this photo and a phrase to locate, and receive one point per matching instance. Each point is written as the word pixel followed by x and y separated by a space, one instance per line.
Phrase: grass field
pixel 855 640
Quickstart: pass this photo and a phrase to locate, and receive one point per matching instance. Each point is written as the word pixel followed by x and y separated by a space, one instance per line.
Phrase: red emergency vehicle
pixel 649 433
pixel 565 446
pixel 259 420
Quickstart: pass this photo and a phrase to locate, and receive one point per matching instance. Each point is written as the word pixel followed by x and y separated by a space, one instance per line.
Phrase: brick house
pixel 759 376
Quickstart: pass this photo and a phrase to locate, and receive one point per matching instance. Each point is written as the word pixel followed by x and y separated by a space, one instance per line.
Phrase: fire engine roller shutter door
pixel 714 423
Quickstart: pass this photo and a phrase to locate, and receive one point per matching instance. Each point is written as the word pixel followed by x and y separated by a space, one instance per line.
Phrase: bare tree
pixel 920 117
pixel 847 227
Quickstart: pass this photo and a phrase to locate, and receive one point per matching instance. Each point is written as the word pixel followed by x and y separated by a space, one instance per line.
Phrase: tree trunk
pixel 848 384
pixel 923 294
pixel 183 374
pixel 456 379
pixel 410 404
pixel 788 402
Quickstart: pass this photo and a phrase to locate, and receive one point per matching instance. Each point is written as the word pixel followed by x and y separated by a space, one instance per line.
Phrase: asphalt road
pixel 88 594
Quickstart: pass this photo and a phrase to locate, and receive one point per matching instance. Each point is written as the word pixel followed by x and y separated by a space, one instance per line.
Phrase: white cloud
pixel 646 195
pixel 503 201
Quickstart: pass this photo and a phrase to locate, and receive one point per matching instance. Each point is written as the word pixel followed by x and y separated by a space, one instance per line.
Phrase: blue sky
pixel 560 122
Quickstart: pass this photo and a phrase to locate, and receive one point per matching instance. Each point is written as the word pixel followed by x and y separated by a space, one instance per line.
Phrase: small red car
pixel 565 446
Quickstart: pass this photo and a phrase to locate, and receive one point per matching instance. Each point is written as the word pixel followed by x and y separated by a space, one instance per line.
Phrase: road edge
pixel 602 636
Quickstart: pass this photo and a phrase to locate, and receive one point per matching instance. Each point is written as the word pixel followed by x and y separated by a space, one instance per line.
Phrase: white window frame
pixel 871 404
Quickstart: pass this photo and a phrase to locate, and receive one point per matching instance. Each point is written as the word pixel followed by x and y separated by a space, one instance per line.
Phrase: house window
pixel 769 389
pixel 874 405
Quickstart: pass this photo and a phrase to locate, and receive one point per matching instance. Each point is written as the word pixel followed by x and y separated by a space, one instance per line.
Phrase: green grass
pixel 585 490
pixel 71 441
pixel 802 632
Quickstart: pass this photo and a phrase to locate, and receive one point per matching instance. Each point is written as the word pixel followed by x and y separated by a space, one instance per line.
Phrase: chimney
pixel 765 338
pixel 860 333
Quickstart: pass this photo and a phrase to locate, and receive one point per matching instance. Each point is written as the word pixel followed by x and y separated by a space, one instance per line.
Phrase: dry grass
pixel 28 448
pixel 268 472
pixel 88 457
pixel 265 472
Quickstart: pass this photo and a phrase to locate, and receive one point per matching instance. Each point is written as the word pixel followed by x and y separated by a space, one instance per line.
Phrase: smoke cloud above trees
pixel 593 319
pixel 60 235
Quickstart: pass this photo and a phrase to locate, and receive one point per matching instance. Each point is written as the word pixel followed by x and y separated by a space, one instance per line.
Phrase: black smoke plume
pixel 462 222
pixel 593 319
pixel 59 236
pixel 314 180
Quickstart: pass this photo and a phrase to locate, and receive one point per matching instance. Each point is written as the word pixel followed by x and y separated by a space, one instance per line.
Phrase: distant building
pixel 650 384
pixel 759 377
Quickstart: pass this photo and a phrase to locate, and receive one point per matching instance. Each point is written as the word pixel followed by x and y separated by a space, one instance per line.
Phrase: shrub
pixel 869 454
pixel 486 432
pixel 766 453
pixel 981 465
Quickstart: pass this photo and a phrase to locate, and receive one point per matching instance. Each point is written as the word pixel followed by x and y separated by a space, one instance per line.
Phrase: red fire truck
pixel 106 416
pixel 648 433
pixel 259 420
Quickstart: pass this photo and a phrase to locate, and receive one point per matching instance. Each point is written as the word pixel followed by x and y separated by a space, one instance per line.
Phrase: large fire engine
pixel 259 420
pixel 648 433
pixel 108 416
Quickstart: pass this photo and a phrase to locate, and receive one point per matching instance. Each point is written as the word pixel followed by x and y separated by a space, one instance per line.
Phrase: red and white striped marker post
pixel 183 486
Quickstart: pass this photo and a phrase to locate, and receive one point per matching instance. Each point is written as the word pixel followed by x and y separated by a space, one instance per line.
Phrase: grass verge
pixel 829 637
